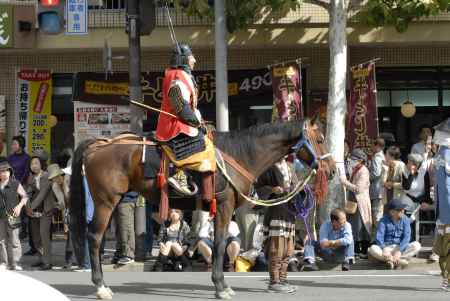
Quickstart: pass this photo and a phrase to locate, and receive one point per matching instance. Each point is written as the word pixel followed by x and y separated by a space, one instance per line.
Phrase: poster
pixel 362 118
pixel 76 17
pixel 99 120
pixel 33 107
pixel 287 91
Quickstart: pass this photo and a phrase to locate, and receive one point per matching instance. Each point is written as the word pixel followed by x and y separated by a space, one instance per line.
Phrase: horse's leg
pixel 96 230
pixel 224 213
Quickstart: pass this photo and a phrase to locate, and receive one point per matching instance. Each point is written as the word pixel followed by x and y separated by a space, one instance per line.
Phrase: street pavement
pixel 329 285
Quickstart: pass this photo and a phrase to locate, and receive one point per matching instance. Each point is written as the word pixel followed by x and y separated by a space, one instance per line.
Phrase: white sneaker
pixel 2 267
pixel 179 182
pixel 81 270
pixel 444 285
pixel 434 257
pixel 16 268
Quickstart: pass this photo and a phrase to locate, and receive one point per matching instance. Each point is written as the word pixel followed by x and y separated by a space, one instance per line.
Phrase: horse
pixel 117 168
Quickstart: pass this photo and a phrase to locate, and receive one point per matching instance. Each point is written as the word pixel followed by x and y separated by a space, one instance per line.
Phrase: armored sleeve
pixel 179 101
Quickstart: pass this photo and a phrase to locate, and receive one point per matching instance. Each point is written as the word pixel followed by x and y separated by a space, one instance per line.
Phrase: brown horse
pixel 113 170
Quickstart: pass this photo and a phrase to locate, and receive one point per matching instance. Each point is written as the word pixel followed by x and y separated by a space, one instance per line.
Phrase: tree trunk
pixel 337 105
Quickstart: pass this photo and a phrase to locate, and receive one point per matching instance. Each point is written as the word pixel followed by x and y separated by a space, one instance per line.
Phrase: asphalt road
pixel 354 285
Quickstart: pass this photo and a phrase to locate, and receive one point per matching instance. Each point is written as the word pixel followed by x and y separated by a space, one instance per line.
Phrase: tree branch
pixel 322 3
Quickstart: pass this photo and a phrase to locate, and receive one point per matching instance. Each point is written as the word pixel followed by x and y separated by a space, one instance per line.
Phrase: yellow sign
pixel 100 88
pixel 34 101
pixel 283 71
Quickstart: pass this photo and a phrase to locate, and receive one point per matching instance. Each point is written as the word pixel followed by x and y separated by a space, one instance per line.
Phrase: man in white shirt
pixel 420 147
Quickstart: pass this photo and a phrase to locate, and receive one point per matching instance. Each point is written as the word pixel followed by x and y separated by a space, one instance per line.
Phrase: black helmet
pixel 180 54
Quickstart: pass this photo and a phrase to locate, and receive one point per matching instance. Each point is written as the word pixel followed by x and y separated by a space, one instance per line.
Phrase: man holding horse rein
pixel 183 137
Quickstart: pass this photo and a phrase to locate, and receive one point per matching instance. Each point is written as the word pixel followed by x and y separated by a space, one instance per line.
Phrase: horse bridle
pixel 304 143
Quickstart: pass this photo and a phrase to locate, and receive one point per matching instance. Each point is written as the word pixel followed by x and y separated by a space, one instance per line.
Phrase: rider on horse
pixel 183 137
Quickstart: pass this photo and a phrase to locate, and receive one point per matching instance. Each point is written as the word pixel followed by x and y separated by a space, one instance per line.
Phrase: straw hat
pixel 54 171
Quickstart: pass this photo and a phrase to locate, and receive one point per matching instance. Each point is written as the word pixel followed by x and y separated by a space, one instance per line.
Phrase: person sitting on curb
pixel 392 240
pixel 336 241
pixel 172 242
pixel 206 242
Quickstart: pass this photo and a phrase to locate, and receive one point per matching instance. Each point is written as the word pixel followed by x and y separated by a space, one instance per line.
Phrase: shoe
pixel 82 270
pixel 309 267
pixel 125 260
pixel 279 288
pixel 293 266
pixel 345 267
pixel 444 285
pixel 2 267
pixel 434 257
pixel 68 266
pixel 403 263
pixel 293 288
pixel 37 264
pixel 15 268
pixel 30 253
pixel 363 256
pixel 46 267
pixel 390 265
pixel 180 183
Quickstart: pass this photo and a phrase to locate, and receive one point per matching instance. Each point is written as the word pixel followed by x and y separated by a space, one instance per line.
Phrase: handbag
pixel 13 221
pixel 351 204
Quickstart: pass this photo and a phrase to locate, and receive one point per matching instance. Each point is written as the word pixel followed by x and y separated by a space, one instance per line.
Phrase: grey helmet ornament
pixel 180 54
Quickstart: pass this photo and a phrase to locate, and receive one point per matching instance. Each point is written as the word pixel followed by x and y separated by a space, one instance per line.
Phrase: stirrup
pixel 182 189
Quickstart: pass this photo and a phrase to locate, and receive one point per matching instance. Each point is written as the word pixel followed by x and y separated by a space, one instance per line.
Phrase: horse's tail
pixel 77 205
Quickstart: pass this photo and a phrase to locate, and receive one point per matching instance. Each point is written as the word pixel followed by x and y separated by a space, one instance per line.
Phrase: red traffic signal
pixel 49 3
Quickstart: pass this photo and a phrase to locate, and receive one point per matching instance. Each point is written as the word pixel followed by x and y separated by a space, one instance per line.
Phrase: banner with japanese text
pixel 287 91
pixel 362 117
pixel 33 108
pixel 93 120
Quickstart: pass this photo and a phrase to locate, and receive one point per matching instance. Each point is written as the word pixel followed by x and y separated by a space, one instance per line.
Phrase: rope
pixel 273 202
pixel 301 211
pixel 171 30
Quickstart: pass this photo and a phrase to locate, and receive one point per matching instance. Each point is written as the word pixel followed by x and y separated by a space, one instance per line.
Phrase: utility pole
pixel 220 27
pixel 136 113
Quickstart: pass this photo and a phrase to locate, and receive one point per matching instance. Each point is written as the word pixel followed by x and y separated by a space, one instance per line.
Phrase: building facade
pixel 414 65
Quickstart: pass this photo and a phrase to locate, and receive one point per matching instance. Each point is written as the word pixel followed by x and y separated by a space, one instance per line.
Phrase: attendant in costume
pixel 441 166
pixel 183 137
pixel 278 225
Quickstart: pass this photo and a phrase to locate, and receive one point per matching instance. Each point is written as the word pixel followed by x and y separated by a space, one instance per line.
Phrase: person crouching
pixel 172 238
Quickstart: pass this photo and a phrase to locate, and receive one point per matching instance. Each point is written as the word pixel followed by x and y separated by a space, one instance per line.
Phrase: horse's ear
pixel 314 120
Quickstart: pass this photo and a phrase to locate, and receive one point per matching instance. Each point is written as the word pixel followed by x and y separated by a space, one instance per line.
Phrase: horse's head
pixel 311 148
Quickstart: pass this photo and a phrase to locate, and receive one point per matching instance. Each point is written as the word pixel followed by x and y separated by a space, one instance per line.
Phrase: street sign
pixel 6 26
pixel 77 17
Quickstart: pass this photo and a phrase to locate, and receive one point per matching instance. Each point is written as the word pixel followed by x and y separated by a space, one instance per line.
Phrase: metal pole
pixel 134 66
pixel 222 122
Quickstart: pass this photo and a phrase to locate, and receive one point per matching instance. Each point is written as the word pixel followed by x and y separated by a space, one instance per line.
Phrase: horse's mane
pixel 240 144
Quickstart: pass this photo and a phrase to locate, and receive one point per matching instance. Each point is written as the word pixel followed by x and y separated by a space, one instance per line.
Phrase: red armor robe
pixel 169 127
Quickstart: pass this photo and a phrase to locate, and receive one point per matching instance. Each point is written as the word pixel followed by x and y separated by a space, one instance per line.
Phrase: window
pixel 383 98
pixel 421 98
pixel 446 98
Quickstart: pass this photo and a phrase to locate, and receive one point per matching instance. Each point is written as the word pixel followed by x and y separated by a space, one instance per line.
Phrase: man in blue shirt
pixel 336 241
pixel 392 238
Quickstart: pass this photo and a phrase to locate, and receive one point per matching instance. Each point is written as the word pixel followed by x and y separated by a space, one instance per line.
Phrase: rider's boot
pixel 179 182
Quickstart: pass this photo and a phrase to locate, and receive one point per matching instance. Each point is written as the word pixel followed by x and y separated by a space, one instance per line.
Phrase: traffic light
pixel 51 16
pixel 147 16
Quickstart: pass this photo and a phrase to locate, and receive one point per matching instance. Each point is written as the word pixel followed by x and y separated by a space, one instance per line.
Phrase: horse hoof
pixel 230 291
pixel 104 293
pixel 223 295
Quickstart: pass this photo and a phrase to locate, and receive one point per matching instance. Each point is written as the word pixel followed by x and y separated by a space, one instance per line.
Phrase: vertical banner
pixel 287 91
pixel 99 120
pixel 33 107
pixel 77 17
pixel 6 25
pixel 362 119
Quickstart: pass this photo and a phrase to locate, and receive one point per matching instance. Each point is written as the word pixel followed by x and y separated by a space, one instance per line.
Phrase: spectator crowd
pixel 383 196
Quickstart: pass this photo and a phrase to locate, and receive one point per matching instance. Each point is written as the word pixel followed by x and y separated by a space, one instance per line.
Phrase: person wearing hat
pixel 392 239
pixel 416 184
pixel 12 198
pixel 358 187
pixel 40 209
pixel 441 169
